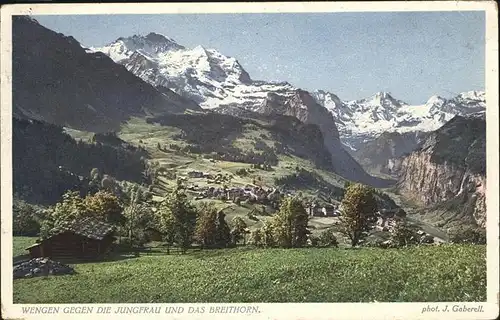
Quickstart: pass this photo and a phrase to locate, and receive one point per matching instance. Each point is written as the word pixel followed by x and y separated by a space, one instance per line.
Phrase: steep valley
pixel 446 175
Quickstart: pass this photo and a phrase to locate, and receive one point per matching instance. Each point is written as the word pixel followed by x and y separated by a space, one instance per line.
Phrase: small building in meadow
pixel 329 211
pixel 85 238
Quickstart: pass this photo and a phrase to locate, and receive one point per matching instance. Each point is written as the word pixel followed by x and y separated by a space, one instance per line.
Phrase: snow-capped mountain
pixel 363 120
pixel 203 75
pixel 220 83
pixel 214 80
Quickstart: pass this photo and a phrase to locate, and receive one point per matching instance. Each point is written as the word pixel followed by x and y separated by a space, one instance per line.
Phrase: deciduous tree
pixel 139 216
pixel 211 227
pixel 256 237
pixel 239 230
pixel 178 218
pixel 206 225
pixel 25 220
pixel 403 235
pixel 105 206
pixel 290 224
pixel 358 213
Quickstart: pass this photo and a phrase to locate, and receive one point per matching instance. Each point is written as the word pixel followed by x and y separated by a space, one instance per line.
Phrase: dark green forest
pixel 47 162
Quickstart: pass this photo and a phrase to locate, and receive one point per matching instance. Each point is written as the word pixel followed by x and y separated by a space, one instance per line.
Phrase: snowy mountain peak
pixel 214 80
pixel 152 39
pixel 158 38
pixel 150 45
pixel 362 120
pixel 327 99
pixel 472 95
pixel 383 99
pixel 200 50
pixel 436 100
pixel 383 95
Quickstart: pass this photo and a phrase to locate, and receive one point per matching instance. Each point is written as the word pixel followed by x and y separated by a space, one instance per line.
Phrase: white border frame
pixel 275 310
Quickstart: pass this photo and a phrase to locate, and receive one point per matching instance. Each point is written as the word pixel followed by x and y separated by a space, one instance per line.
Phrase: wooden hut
pixel 81 239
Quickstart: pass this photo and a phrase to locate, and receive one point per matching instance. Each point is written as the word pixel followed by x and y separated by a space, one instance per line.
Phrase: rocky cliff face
pixel 450 166
pixel 56 80
pixel 381 156
pixel 301 105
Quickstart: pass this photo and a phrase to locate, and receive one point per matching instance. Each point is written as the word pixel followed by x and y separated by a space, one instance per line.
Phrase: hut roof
pixel 32 246
pixel 87 227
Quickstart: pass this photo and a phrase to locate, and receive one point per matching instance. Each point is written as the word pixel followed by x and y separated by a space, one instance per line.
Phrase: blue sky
pixel 413 55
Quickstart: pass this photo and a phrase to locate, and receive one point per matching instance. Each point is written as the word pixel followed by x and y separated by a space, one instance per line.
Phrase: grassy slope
pixel 433 273
pixel 138 132
pixel 272 275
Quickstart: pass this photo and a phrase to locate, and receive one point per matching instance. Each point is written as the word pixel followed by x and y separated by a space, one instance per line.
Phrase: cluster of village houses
pixel 256 194
pixel 386 218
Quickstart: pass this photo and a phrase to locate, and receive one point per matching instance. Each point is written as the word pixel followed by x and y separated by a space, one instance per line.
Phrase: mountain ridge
pixel 365 119
pixel 214 80
pixel 58 81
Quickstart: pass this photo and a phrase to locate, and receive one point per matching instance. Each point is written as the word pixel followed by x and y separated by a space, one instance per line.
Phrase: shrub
pixel 24 219
pixel 468 235
pixel 313 241
pixel 403 235
pixel 328 239
pixel 242 172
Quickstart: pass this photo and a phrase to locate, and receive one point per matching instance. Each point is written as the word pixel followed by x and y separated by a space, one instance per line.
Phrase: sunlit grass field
pixel 426 273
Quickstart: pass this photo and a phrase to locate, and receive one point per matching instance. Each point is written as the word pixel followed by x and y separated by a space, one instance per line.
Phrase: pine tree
pixel 223 233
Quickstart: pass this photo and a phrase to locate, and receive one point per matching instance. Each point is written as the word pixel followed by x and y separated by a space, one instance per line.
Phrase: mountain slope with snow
pixel 363 120
pixel 220 83
pixel 203 75
pixel 214 80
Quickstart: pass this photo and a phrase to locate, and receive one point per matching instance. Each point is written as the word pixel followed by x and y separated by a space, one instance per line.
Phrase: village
pixel 86 239
pixel 385 218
